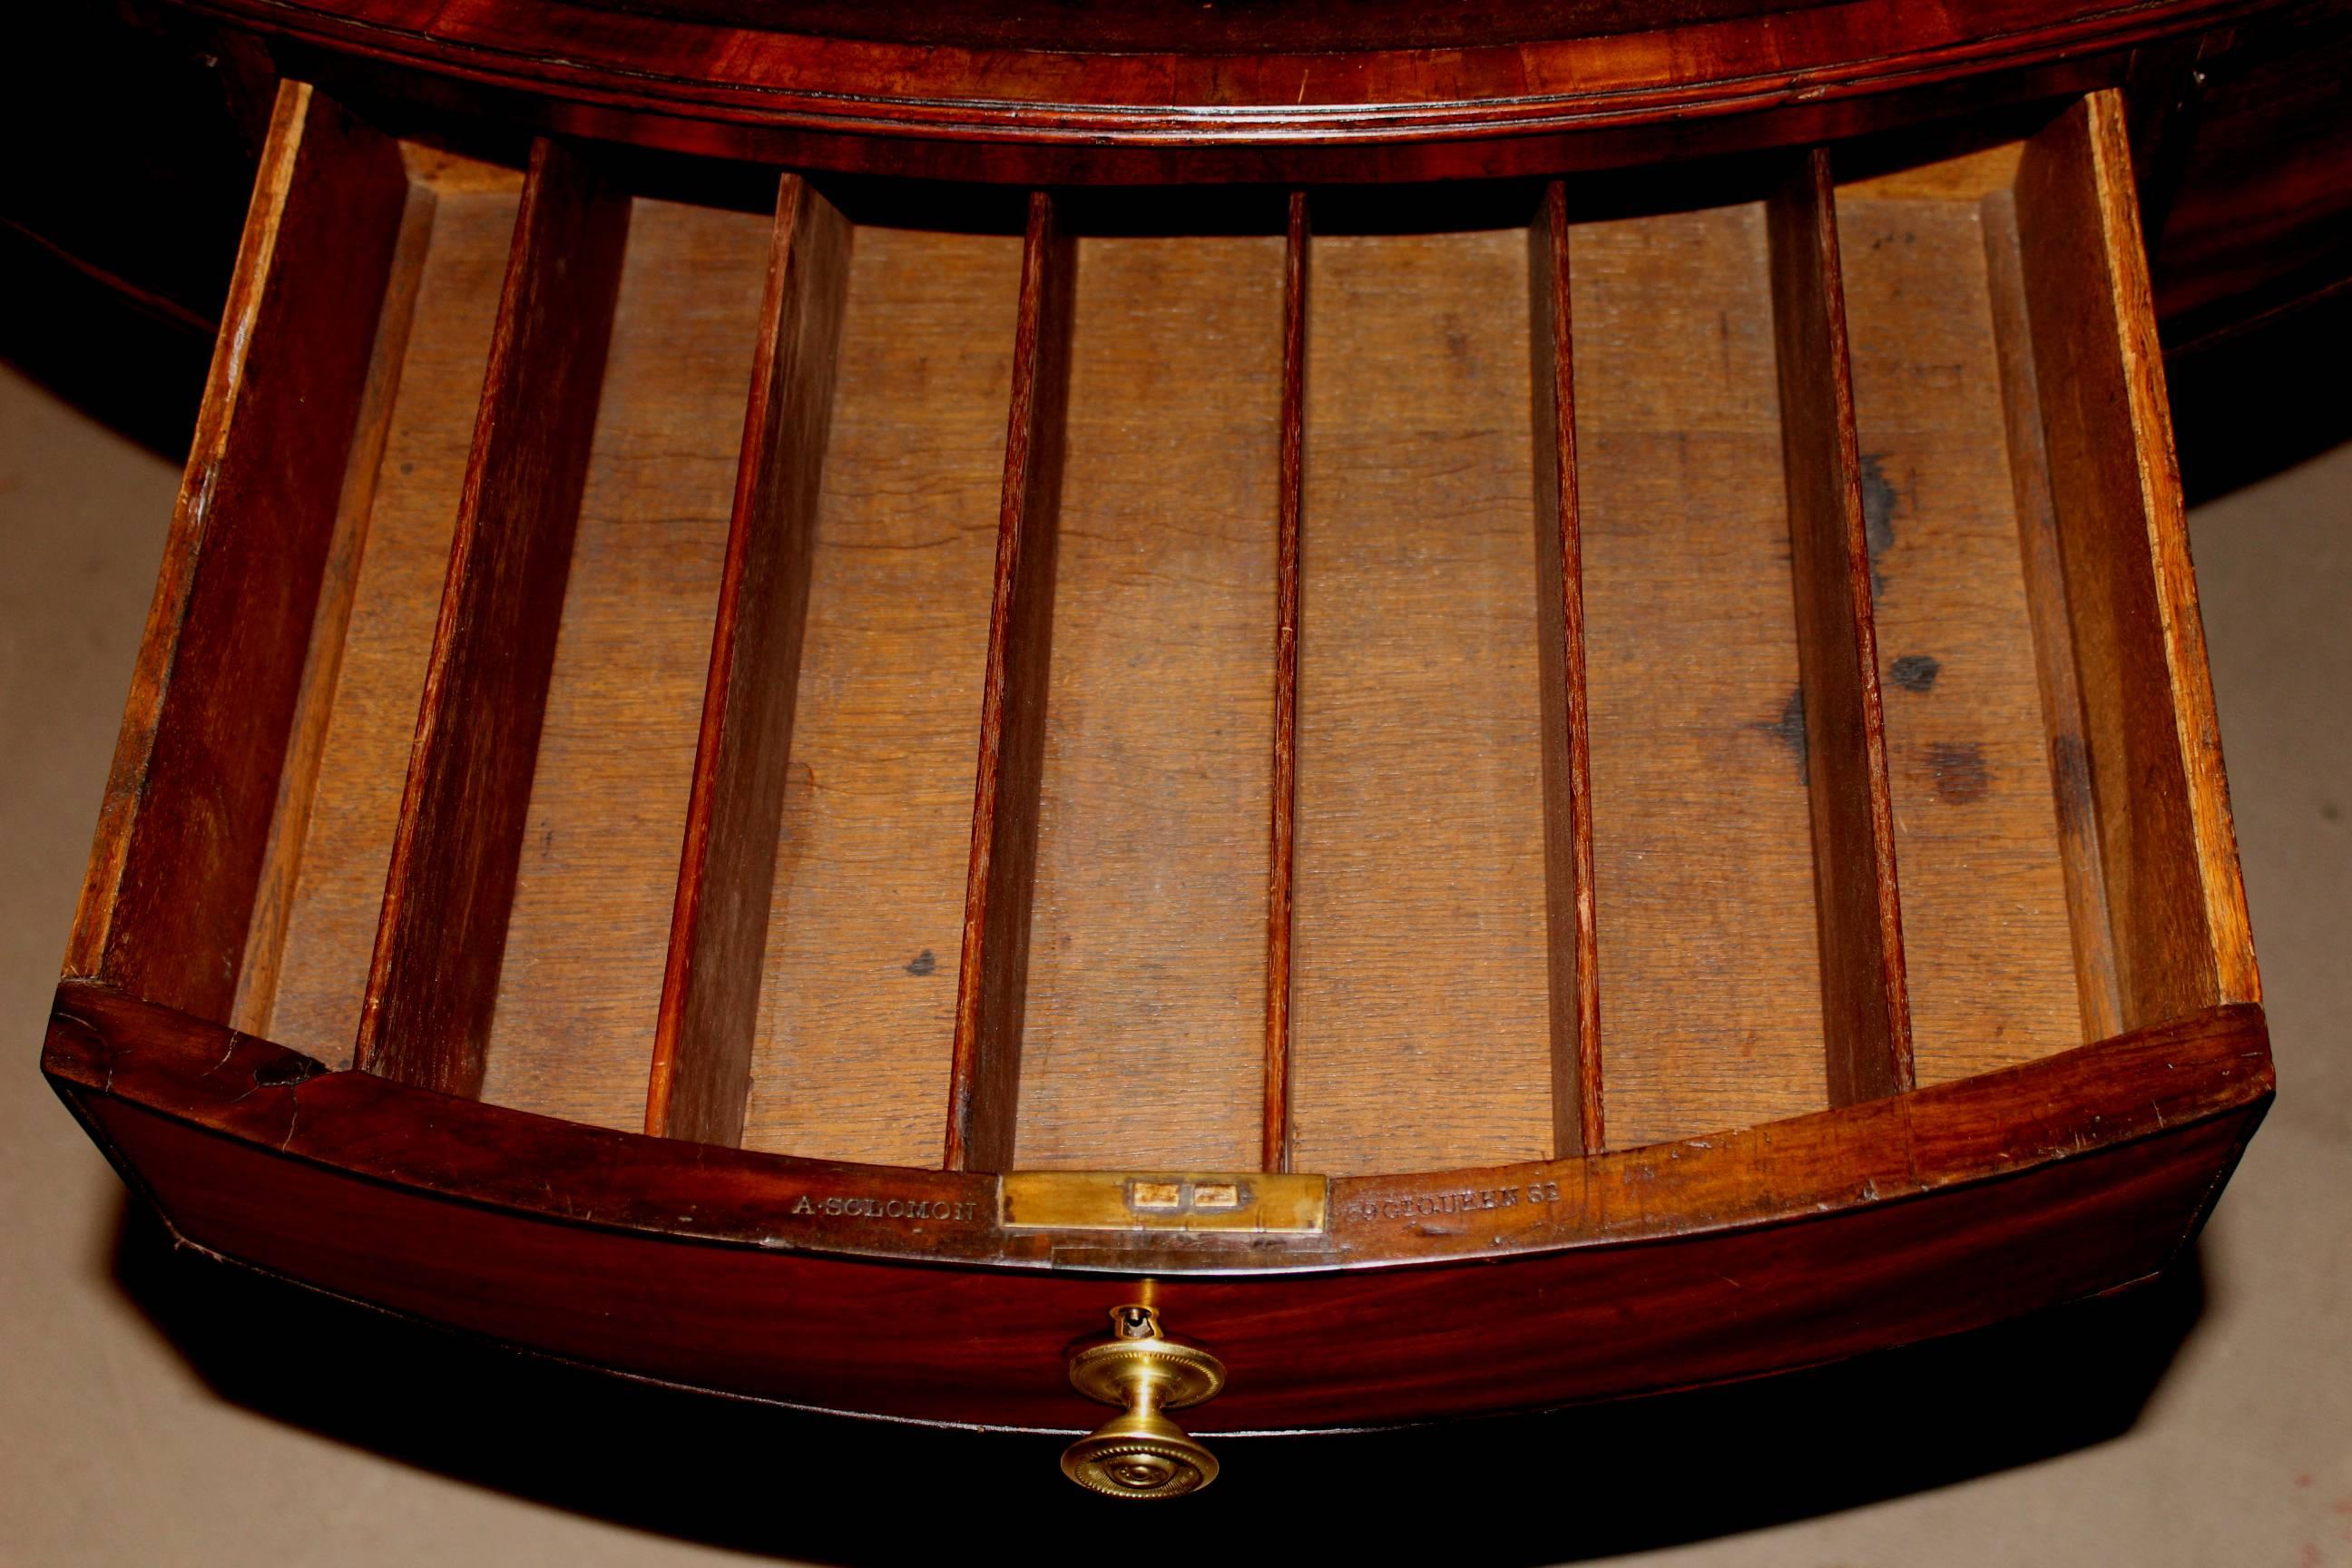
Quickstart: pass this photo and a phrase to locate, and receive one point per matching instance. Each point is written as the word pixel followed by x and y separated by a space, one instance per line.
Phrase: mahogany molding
pixel 1104 104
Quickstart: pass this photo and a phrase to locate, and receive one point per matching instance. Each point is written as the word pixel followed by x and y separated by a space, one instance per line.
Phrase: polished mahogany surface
pixel 1645 751
pixel 1663 1267
pixel 1145 92
pixel 1579 657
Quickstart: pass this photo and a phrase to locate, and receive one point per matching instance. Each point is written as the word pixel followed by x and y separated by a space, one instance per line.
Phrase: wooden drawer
pixel 1625 726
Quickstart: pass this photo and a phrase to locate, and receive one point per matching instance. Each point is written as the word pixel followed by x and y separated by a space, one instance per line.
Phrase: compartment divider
pixel 985 1072
pixel 298 784
pixel 2169 852
pixel 440 938
pixel 181 859
pixel 2082 860
pixel 1865 1010
pixel 1284 794
pixel 1571 938
pixel 701 1078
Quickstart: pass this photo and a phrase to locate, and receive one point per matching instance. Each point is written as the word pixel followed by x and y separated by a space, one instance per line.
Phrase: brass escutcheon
pixel 1139 1453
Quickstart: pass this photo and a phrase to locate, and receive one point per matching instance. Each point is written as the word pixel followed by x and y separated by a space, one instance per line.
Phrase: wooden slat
pixel 434 978
pixel 587 936
pixel 857 991
pixel 1989 961
pixel 1418 1015
pixel 984 1074
pixel 1573 968
pixel 181 856
pixel 1142 1037
pixel 298 785
pixel 1702 833
pixel 1274 1152
pixel 354 804
pixel 2168 851
pixel 2081 857
pixel 1865 1012
pixel 710 993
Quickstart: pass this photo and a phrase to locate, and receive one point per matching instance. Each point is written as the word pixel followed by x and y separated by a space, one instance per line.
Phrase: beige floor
pixel 161 1410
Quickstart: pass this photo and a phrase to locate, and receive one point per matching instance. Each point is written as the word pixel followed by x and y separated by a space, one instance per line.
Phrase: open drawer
pixel 1643 751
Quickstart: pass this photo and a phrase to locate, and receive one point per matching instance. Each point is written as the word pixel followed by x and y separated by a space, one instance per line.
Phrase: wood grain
pixel 2168 851
pixel 992 980
pixel 1865 1010
pixel 180 857
pixel 858 1053
pixel 1969 176
pixel 433 981
pixel 2080 855
pixel 701 1074
pixel 1420 1029
pixel 858 986
pixel 1287 94
pixel 1274 1116
pixel 1141 1039
pixel 1703 871
pixel 2258 227
pixel 1572 934
pixel 1840 1232
pixel 596 880
pixel 354 807
pixel 2259 222
pixel 1988 952
pixel 258 977
pixel 1982 475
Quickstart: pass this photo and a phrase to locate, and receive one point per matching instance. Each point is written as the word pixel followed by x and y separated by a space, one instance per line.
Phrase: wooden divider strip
pixel 298 783
pixel 179 858
pixel 2081 858
pixel 2176 905
pixel 984 1073
pixel 1865 1011
pixel 1274 1151
pixel 701 1075
pixel 425 1017
pixel 1572 938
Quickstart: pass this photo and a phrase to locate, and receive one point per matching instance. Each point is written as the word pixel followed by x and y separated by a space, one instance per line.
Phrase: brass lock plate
pixel 1253 1202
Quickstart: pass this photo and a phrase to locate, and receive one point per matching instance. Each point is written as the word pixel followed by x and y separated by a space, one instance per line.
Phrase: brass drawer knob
pixel 1139 1453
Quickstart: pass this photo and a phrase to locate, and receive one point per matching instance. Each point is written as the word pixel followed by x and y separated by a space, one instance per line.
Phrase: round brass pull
pixel 1139 1453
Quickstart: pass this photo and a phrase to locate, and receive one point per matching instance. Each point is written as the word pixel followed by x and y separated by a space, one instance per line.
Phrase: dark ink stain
pixel 407 467
pixel 2330 812
pixel 922 963
pixel 2070 768
pixel 292 1068
pixel 1878 499
pixel 1788 729
pixel 1959 772
pixel 1457 344
pixel 1915 671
